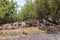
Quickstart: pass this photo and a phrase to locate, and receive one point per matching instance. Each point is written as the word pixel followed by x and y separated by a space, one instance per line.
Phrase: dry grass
pixel 20 32
pixel 23 31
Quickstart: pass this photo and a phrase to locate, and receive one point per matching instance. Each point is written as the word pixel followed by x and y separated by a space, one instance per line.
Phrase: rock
pixel 9 26
pixel 19 24
pixel 15 25
pixel 6 26
pixel 30 23
pixel 24 24
pixel 0 28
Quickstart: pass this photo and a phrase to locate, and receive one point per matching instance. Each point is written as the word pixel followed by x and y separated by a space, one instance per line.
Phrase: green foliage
pixel 7 10
pixel 55 8
pixel 28 11
pixel 40 8
pixel 31 10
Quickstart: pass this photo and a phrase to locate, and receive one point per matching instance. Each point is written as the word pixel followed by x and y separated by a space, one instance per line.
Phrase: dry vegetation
pixel 27 31
pixel 7 30
pixel 20 32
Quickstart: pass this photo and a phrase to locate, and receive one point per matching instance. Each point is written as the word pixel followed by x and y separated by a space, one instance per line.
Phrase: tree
pixel 41 9
pixel 7 8
pixel 27 11
pixel 54 6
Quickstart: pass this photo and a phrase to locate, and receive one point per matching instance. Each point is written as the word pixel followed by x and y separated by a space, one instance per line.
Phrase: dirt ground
pixel 15 33
pixel 20 32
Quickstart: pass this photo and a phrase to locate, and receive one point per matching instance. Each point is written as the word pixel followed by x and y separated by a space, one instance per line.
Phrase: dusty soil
pixel 29 33
pixel 20 32
pixel 36 37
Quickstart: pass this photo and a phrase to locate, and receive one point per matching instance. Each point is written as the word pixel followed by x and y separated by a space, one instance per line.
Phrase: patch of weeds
pixel 1 32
